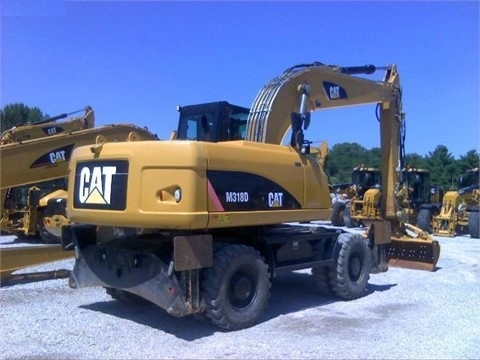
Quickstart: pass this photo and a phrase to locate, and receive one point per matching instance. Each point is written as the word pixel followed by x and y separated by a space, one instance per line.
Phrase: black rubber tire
pixel 353 265
pixel 236 288
pixel 474 224
pixel 321 275
pixel 425 220
pixel 337 213
pixel 125 297
pixel 347 220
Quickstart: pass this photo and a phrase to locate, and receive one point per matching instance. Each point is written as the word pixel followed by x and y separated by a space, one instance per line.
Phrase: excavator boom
pixel 308 88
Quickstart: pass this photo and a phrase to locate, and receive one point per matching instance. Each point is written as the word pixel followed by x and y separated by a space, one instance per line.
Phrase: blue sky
pixel 135 61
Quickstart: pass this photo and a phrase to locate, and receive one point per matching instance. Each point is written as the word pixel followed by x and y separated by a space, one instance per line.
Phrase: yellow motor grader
pixel 215 222
pixel 417 201
pixel 460 208
pixel 363 179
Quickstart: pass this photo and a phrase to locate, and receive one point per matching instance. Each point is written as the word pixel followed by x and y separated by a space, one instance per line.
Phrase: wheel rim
pixel 242 289
pixel 355 267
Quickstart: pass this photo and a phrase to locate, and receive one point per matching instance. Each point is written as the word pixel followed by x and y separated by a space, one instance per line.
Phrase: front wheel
pixel 425 220
pixel 338 209
pixel 236 288
pixel 474 224
pixel 347 218
pixel 353 264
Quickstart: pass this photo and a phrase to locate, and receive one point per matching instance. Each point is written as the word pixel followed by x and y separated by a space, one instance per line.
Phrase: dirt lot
pixel 407 314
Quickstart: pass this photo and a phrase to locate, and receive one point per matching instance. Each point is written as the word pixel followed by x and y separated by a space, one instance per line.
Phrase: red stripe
pixel 213 196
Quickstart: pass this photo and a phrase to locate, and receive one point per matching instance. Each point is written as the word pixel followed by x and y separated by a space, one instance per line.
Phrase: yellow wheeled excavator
pixel 215 222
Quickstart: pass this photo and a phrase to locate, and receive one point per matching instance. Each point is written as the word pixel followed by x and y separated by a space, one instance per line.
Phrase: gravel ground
pixel 407 314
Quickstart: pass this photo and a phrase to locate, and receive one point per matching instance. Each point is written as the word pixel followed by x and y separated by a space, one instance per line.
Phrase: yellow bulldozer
pixel 34 169
pixel 460 208
pixel 215 222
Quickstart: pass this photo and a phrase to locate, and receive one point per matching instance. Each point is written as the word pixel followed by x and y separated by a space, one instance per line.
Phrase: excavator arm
pixel 286 103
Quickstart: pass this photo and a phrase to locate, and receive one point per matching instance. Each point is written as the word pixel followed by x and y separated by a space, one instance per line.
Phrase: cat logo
pixel 334 91
pixel 57 157
pixel 54 157
pixel 95 185
pixel 101 185
pixel 275 199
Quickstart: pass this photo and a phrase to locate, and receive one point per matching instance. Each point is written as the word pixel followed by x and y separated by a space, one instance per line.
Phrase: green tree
pixel 415 160
pixel 469 161
pixel 342 158
pixel 443 167
pixel 17 114
pixel 374 157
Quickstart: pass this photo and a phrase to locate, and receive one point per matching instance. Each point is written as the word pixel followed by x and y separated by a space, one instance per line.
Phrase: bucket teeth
pixel 413 254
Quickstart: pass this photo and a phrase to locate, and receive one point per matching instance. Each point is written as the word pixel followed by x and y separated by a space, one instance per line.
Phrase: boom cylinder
pixel 351 70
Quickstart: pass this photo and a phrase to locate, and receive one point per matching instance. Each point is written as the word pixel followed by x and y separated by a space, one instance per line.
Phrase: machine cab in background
pixel 212 122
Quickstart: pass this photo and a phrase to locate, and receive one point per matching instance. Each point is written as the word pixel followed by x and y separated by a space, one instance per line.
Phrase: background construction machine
pixel 34 169
pixel 363 179
pixel 417 201
pixel 460 208
pixel 219 219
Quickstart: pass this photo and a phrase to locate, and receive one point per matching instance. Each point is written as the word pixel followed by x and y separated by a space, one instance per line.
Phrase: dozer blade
pixel 414 253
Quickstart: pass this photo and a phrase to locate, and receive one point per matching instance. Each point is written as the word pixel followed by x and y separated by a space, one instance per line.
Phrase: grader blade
pixel 414 253
pixel 12 259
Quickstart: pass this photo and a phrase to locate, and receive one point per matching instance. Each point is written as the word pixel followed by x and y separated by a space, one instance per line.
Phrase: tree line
pixel 17 114
pixel 444 168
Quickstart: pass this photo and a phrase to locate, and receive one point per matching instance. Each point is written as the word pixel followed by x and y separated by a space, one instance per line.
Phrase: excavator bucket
pixel 420 252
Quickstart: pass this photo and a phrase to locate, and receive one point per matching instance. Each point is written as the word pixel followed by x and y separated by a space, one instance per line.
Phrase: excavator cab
pixel 212 122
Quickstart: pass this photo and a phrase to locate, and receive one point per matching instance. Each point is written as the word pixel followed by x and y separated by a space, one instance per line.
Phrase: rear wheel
pixel 125 297
pixel 321 274
pixel 236 288
pixel 337 213
pixel 352 271
pixel 474 224
pixel 425 220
